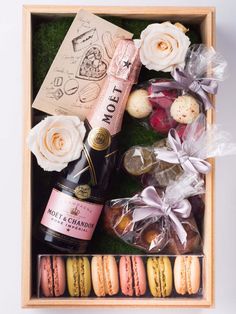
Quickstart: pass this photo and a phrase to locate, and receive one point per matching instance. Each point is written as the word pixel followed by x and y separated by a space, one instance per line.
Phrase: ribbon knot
pixel 180 155
pixel 184 81
pixel 166 209
pixel 156 206
pixel 195 86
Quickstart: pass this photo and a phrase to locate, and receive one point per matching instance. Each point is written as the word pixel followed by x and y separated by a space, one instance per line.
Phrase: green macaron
pixel 78 276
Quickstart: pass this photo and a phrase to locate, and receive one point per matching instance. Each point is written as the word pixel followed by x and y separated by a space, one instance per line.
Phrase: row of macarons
pixel 107 275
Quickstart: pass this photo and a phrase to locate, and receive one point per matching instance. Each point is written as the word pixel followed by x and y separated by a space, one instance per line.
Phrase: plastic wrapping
pixel 169 158
pixel 203 62
pixel 162 104
pixel 199 142
pixel 157 221
pixel 152 108
pixel 126 276
pixel 141 161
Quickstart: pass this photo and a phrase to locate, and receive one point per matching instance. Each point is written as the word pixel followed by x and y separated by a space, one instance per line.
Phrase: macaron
pixel 104 275
pixel 138 105
pixel 159 273
pixel 52 276
pixel 78 276
pixel 132 276
pixel 185 109
pixel 187 274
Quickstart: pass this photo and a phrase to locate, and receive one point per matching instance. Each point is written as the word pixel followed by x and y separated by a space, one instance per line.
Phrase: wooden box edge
pixel 28 11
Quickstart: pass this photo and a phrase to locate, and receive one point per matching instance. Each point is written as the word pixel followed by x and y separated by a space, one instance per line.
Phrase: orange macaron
pixel 105 277
pixel 187 272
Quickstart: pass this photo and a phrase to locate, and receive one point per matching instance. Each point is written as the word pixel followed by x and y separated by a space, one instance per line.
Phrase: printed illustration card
pixel 76 75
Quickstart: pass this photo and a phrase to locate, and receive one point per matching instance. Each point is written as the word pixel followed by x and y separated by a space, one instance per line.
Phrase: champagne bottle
pixel 77 199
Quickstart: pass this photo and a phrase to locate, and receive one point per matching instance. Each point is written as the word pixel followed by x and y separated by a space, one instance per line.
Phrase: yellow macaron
pixel 159 272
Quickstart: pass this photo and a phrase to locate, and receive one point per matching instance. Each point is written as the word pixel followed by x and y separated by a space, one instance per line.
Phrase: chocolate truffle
pixel 185 109
pixel 193 244
pixel 110 216
pixel 138 160
pixel 198 209
pixel 123 223
pixel 153 232
pixel 138 105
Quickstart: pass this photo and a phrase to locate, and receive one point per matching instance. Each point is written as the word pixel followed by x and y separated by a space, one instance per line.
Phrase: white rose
pixel 56 141
pixel 163 46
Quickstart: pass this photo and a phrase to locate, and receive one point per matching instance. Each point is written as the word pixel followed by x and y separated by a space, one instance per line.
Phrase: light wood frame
pixel 205 16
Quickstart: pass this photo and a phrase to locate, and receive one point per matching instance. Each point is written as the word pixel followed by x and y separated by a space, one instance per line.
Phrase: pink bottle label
pixel 111 106
pixel 123 71
pixel 70 216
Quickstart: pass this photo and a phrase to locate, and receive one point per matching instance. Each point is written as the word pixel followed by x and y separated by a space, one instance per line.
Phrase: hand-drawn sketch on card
pixel 85 39
pixel 58 94
pixel 89 92
pixel 109 44
pixel 58 81
pixel 77 73
pixel 83 20
pixel 93 66
pixel 71 86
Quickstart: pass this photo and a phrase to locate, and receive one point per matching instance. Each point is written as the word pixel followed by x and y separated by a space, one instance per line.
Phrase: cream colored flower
pixel 56 141
pixel 163 46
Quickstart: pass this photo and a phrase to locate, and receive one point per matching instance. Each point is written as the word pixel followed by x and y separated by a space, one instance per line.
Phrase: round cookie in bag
pixel 138 160
pixel 163 172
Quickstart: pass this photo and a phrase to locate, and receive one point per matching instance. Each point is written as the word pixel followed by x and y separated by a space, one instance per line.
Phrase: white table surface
pixel 11 160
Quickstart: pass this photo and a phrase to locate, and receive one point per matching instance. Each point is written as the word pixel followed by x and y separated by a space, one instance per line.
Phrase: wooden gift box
pixel 204 18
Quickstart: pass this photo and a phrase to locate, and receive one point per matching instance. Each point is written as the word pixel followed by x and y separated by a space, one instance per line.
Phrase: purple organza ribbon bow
pixel 180 155
pixel 183 80
pixel 155 206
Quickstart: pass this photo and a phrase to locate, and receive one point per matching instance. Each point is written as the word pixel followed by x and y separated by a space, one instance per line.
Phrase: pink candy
pixel 164 99
pixel 161 120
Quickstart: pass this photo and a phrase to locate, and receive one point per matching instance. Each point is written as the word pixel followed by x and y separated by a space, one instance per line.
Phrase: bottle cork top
pixel 125 63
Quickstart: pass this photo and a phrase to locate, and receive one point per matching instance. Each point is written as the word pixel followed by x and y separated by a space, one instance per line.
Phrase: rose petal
pixel 56 141
pixel 162 46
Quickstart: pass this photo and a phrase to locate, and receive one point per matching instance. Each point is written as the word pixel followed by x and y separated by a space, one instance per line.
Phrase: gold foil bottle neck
pixel 99 139
pixel 125 63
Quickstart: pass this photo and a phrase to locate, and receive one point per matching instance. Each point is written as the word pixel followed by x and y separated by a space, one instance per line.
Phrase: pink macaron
pixel 52 276
pixel 132 276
